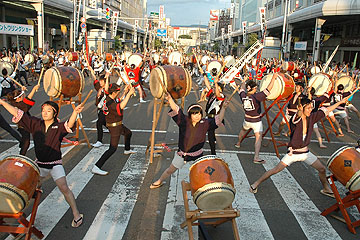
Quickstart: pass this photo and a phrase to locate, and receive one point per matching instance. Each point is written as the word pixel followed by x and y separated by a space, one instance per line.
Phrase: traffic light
pixel 107 14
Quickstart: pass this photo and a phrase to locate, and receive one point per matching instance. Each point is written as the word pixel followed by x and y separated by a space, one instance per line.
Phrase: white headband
pixel 196 105
pixel 22 93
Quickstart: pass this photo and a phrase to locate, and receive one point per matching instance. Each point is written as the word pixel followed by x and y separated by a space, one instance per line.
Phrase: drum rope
pixel 18 194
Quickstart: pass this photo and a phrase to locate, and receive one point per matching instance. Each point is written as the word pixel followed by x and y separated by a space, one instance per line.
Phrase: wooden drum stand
pixel 351 199
pixel 28 226
pixel 220 216
pixel 79 124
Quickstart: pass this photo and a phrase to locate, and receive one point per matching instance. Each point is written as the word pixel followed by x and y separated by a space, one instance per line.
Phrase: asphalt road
pixel 121 205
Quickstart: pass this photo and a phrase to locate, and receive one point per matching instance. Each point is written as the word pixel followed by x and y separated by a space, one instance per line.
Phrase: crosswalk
pixel 113 216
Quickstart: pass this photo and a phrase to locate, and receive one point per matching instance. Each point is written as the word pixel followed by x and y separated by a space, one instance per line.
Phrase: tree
pixel 158 43
pixel 185 37
pixel 235 45
pixel 251 39
pixel 216 47
pixel 118 43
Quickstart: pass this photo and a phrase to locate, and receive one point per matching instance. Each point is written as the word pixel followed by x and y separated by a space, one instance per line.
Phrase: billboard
pixel 214 15
pixel 161 32
pixel 300 45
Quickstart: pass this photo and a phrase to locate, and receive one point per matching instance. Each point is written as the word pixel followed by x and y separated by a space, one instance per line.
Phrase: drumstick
pixel 87 97
pixel 222 68
pixel 306 83
pixel 233 93
pixel 15 81
pixel 42 71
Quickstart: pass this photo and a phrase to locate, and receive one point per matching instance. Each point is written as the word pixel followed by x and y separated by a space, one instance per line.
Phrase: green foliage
pixel 251 39
pixel 235 45
pixel 185 37
pixel 216 47
pixel 158 43
pixel 118 43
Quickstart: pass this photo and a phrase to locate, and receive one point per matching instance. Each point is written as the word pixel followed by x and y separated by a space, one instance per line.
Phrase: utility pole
pixel 284 30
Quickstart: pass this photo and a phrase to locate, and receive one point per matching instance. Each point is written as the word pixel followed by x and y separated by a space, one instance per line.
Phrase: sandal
pixel 328 194
pixel 77 223
pixel 153 186
pixel 253 190
pixel 259 161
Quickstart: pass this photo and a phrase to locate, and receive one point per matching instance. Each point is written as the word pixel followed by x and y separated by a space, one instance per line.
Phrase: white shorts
pixel 341 113
pixel 178 161
pixel 331 114
pixel 315 125
pixel 308 158
pixel 256 126
pixel 56 172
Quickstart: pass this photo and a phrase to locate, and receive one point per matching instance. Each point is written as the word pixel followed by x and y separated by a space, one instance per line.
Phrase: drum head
pixel 205 59
pixel 346 81
pixel 277 89
pixel 156 57
pixel 214 64
pixel 320 82
pixel 13 200
pixel 52 82
pixel 156 76
pixel 335 154
pixel 230 60
pixel 175 57
pixel 45 59
pixel 29 58
pixel 8 66
pixel 214 196
pixel 315 70
pixel 135 59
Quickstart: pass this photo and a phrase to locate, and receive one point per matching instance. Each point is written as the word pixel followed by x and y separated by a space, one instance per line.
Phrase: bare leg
pixel 347 124
pixel 267 174
pixel 337 125
pixel 322 175
pixel 318 136
pixel 258 138
pixel 241 135
pixel 69 196
pixel 167 173
pixel 281 127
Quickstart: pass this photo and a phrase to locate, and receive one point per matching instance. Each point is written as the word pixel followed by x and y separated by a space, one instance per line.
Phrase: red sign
pixel 214 15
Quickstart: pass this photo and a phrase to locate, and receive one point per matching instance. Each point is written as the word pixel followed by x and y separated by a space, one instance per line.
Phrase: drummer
pixel 48 134
pixel 133 73
pixel 192 135
pixel 301 125
pixel 337 96
pixel 252 105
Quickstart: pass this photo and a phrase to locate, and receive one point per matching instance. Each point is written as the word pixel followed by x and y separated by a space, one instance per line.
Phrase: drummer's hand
pixel 168 96
pixel 79 108
pixel 107 74
pixel 23 88
pixel 36 87
pixel 226 104
pixel 132 90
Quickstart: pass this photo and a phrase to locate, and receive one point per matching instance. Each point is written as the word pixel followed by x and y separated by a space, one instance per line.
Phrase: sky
pixel 186 12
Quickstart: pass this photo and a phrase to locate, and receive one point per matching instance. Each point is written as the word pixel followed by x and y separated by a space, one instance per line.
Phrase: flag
pixel 354 63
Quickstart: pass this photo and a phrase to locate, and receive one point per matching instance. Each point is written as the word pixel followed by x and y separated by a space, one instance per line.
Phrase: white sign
pixel 161 12
pixel 232 10
pixel 167 22
pixel 237 10
pixel 262 18
pixel 16 29
pixel 115 20
pixel 300 45
pixel 229 29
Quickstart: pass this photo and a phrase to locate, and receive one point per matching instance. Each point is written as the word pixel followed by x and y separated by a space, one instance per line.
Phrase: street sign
pixel 83 25
pixel 83 20
pixel 161 32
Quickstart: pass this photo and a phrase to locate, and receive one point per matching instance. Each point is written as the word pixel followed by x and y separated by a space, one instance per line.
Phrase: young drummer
pixel 17 99
pixel 99 86
pixel 48 134
pixel 252 105
pixel 301 125
pixel 113 109
pixel 192 135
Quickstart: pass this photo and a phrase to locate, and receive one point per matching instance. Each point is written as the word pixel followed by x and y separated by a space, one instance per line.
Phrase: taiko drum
pixel 8 66
pixel 346 81
pixel 345 165
pixel 283 86
pixel 73 56
pixel 176 80
pixel 211 182
pixel 108 57
pixel 19 177
pixel 320 82
pixel 288 66
pixel 67 81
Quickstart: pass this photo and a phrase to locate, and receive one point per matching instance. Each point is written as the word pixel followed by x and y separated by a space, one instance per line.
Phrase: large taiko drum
pixel 212 185
pixel 346 81
pixel 283 86
pixel 176 79
pixel 6 59
pixel 214 64
pixel 19 177
pixel 288 66
pixel 229 60
pixel 205 59
pixel 135 59
pixel 63 80
pixel 345 165
pixel 109 57
pixel 315 70
pixel 8 66
pixel 29 58
pixel 175 58
pixel 320 82
pixel 73 56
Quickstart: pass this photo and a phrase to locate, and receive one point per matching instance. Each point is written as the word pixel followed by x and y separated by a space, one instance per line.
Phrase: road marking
pixel 113 217
pixel 175 211
pixel 54 206
pixel 14 150
pixel 251 218
pixel 306 213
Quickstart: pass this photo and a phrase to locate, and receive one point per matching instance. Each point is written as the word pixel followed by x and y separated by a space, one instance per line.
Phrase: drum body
pixel 288 66
pixel 8 66
pixel 176 79
pixel 63 80
pixel 175 58
pixel 19 179
pixel 214 64
pixel 346 81
pixel 320 82
pixel 212 185
pixel 230 60
pixel 108 57
pixel 135 59
pixel 283 87
pixel 29 58
pixel 73 56
pixel 345 165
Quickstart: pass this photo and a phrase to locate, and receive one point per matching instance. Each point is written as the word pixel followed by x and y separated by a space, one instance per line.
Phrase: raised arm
pixel 172 103
pixel 127 97
pixel 11 109
pixel 271 84
pixel 35 89
pixel 74 114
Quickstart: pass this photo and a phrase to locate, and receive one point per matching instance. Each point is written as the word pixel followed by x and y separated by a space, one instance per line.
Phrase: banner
pixel 115 20
pixel 300 45
pixel 161 12
pixel 16 29
pixel 262 18
pixel 214 15
pixel 237 10
pixel 232 10
pixel 244 24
